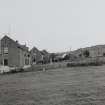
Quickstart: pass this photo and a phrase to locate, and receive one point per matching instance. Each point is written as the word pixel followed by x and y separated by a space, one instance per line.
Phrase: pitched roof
pixel 23 47
pixel 44 52
pixel 34 48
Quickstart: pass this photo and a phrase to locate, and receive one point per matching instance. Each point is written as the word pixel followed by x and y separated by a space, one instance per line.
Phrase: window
pixel 104 54
pixel 28 55
pixel 5 50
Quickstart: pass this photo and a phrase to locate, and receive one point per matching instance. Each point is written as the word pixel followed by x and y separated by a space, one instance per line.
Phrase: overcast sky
pixel 54 25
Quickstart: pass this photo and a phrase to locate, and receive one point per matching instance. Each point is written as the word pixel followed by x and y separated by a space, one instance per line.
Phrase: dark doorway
pixel 5 62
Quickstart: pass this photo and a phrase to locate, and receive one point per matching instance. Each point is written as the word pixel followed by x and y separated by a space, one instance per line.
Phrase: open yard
pixel 66 86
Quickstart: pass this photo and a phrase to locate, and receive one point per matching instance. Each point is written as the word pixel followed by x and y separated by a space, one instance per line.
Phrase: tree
pixel 67 57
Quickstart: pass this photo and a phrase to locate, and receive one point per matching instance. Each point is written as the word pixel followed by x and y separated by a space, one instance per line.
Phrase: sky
pixel 54 25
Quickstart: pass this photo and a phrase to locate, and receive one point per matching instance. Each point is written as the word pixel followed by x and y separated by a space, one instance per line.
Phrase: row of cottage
pixel 13 54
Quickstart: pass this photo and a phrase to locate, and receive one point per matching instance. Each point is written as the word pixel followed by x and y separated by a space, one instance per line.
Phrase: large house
pixel 12 54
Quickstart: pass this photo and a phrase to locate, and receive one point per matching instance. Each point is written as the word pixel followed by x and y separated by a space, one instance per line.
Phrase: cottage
pixel 12 54
pixel 46 56
pixel 36 56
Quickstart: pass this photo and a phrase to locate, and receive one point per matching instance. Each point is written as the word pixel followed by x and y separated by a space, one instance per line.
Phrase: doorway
pixel 5 62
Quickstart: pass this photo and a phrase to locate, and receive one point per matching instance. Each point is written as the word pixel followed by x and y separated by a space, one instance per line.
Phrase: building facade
pixel 36 56
pixel 94 51
pixel 12 54
pixel 46 56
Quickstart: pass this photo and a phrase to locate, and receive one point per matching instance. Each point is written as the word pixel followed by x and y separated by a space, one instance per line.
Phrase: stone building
pixel 46 56
pixel 94 51
pixel 36 56
pixel 12 54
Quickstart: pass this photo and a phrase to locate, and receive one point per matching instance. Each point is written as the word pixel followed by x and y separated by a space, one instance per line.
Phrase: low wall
pixel 4 69
pixel 47 66
pixel 77 62
pixel 100 60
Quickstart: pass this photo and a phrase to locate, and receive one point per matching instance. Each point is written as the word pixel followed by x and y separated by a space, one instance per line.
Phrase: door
pixel 5 62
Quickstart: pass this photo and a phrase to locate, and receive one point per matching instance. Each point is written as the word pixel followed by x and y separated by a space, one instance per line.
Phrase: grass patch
pixel 65 86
